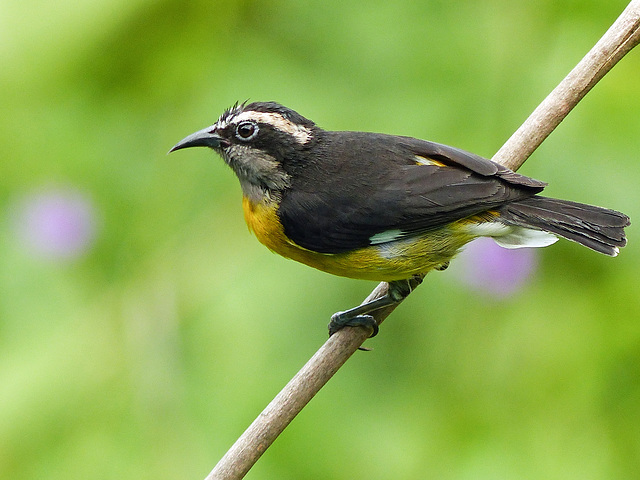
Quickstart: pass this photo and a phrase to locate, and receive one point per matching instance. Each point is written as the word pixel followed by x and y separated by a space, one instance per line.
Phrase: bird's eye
pixel 246 130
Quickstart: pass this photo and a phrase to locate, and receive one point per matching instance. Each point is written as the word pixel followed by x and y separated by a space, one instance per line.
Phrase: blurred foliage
pixel 149 351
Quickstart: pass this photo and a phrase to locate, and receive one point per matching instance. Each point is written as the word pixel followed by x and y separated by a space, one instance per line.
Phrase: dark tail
pixel 597 228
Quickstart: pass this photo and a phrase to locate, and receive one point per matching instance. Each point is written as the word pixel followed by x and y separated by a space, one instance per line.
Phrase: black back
pixel 353 185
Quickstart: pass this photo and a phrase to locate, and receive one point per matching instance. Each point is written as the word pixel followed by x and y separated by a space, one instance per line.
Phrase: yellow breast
pixel 396 260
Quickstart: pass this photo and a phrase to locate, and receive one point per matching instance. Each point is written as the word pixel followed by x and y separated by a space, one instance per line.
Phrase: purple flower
pixel 57 223
pixel 484 266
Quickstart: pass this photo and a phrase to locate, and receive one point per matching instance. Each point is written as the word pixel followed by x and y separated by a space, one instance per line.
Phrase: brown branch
pixel 623 35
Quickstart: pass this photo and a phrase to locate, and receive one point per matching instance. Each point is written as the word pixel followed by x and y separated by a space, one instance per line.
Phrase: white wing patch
pixel 506 236
pixel 386 236
pixel 420 160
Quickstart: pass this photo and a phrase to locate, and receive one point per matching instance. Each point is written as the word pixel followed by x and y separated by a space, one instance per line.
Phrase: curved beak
pixel 207 137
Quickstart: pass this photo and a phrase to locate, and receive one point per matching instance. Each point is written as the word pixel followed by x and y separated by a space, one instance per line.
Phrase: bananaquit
pixel 384 207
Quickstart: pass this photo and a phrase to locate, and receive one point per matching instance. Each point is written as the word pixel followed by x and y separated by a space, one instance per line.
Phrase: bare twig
pixel 623 35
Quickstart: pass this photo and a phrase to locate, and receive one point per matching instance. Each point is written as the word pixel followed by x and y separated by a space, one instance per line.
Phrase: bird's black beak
pixel 206 137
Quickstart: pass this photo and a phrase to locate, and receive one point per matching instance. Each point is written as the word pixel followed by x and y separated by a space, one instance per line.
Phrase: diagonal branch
pixel 623 35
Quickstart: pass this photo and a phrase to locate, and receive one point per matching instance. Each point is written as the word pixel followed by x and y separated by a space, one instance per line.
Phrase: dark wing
pixel 383 183
pixel 456 157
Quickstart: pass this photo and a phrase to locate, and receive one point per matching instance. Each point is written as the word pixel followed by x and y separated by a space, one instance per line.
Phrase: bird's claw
pixel 340 320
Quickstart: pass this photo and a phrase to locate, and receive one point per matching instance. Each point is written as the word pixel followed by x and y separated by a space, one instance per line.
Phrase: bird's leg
pixel 360 316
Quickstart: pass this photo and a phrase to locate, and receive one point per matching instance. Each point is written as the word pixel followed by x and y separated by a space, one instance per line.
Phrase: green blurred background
pixel 142 328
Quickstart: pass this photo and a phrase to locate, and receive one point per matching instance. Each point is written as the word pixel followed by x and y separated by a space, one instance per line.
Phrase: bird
pixel 384 207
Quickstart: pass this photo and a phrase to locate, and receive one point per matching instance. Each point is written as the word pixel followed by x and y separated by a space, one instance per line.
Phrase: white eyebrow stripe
pixel 301 133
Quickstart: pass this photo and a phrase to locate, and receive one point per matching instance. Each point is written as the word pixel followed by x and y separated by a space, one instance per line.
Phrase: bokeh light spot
pixel 500 272
pixel 57 223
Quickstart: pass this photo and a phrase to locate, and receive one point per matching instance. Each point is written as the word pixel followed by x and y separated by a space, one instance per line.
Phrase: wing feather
pixel 337 204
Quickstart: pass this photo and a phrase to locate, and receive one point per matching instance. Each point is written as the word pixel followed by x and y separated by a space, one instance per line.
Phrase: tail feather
pixel 597 228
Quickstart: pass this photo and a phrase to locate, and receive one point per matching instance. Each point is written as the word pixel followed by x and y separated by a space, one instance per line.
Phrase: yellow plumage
pixel 389 261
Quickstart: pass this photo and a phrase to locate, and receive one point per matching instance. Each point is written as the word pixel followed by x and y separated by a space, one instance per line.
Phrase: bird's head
pixel 259 141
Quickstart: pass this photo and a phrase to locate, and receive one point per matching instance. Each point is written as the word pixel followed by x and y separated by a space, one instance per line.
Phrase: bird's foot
pixel 347 319
pixel 360 316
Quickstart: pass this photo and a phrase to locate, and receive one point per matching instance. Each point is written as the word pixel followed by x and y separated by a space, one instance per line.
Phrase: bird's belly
pixel 396 260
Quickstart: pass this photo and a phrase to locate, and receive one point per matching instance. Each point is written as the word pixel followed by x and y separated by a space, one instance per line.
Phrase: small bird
pixel 384 207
